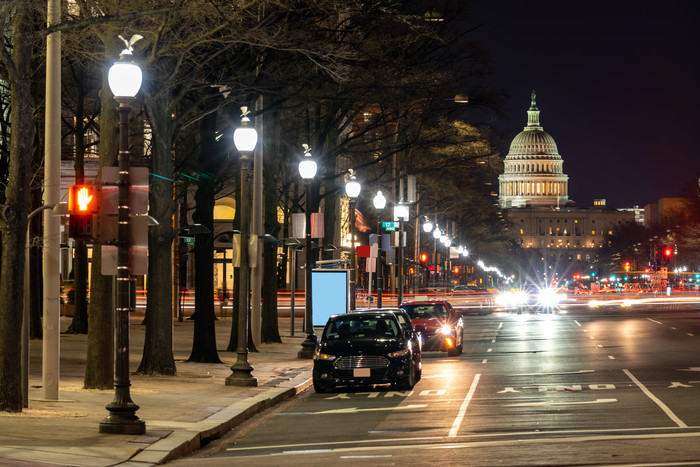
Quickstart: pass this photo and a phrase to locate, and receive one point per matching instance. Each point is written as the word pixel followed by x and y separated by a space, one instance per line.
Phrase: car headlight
pixel 446 329
pixel 323 356
pixel 399 353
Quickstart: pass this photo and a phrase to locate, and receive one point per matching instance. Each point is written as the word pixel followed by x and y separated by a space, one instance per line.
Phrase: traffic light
pixel 423 258
pixel 668 252
pixel 455 270
pixel 82 205
pixel 627 266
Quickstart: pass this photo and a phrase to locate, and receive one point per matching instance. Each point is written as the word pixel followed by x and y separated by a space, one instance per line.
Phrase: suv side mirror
pixel 419 328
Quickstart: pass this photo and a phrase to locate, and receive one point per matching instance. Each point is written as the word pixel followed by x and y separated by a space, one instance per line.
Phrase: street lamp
pixel 379 202
pixel 352 189
pixel 125 81
pixel 244 138
pixel 307 170
pixel 427 226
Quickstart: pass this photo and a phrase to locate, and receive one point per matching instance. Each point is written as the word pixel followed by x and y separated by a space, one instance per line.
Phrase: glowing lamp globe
pixel 379 201
pixel 125 76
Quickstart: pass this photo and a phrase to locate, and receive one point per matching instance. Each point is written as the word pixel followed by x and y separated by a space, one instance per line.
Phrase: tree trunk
pixel 36 261
pixel 79 324
pixel 99 368
pixel 13 222
pixel 204 342
pixel 158 347
pixel 271 165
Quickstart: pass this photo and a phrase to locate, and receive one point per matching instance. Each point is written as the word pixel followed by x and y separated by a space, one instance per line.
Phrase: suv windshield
pixel 353 327
pixel 425 311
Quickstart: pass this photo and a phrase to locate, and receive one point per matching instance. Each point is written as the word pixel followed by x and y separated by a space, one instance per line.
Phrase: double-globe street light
pixel 352 189
pixel 379 202
pixel 125 81
pixel 307 170
pixel 244 138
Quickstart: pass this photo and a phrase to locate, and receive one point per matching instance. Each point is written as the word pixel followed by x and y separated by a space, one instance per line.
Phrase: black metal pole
pixel 353 256
pixel 122 417
pixel 380 275
pixel 308 347
pixel 242 371
pixel 401 271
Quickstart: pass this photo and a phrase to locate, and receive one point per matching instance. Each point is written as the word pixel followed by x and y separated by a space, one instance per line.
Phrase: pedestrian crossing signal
pixel 82 205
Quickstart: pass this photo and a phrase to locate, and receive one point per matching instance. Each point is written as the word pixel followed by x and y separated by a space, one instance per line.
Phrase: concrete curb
pixel 186 438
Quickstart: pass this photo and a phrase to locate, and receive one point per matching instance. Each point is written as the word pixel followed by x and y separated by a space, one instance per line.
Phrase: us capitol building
pixel 534 195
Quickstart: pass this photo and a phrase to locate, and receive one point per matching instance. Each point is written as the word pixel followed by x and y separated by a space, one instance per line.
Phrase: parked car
pixel 443 329
pixel 411 332
pixel 364 348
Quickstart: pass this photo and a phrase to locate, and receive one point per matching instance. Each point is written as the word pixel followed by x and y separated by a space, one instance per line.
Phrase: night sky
pixel 618 88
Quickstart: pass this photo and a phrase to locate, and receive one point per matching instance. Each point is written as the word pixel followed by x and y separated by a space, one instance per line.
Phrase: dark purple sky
pixel 618 88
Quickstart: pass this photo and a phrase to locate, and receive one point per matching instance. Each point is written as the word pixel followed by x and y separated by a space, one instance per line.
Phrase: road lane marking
pixel 372 409
pixel 692 368
pixel 493 341
pixel 601 433
pixel 654 321
pixel 611 357
pixel 475 443
pixel 672 327
pixel 577 323
pixel 658 402
pixel 591 337
pixel 500 325
pixel 691 334
pixel 555 374
pixel 463 409
pixel 489 350
pixel 365 457
pixel 552 404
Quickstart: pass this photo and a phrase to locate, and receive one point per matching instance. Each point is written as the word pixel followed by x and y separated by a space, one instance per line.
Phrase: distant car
pixel 364 348
pixel 443 327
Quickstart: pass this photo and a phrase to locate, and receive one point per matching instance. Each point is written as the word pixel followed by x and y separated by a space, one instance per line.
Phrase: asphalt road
pixel 593 387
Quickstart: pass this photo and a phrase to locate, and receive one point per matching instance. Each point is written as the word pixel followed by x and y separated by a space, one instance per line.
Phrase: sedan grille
pixel 361 361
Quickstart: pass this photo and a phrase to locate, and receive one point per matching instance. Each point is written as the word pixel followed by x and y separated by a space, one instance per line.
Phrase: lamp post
pixel 307 170
pixel 379 202
pixel 437 233
pixel 401 213
pixel 427 228
pixel 352 189
pixel 244 138
pixel 125 81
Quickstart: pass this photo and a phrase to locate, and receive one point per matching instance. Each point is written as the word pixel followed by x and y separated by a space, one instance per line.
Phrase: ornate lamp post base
pixel 241 374
pixel 122 419
pixel 308 347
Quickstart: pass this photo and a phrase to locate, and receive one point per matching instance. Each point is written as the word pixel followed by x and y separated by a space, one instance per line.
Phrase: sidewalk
pixel 179 411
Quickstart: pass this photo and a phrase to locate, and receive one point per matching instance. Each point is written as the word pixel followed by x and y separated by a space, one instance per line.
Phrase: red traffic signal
pixel 82 199
pixel 627 266
pixel 455 270
pixel 668 252
pixel 423 258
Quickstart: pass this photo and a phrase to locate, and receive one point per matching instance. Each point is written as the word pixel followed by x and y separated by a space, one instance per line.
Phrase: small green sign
pixel 390 226
pixel 187 239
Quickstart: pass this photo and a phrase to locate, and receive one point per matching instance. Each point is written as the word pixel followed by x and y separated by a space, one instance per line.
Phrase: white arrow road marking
pixel 549 404
pixel 375 409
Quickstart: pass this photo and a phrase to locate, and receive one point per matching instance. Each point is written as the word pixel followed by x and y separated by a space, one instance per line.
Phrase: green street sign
pixel 390 226
pixel 187 239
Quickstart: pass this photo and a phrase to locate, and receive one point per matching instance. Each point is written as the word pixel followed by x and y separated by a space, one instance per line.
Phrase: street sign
pixel 187 239
pixel 390 226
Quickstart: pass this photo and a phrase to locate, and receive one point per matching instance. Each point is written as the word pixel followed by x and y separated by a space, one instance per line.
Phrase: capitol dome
pixel 533 169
